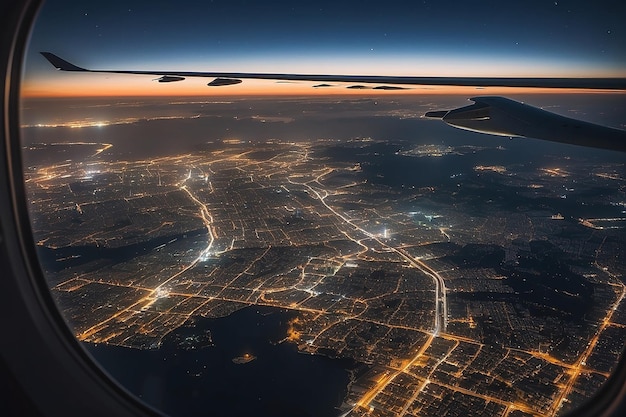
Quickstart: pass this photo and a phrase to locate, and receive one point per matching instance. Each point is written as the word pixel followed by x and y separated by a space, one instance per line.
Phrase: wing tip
pixel 60 63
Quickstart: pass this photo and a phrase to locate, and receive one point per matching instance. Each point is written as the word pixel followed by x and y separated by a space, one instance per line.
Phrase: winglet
pixel 61 64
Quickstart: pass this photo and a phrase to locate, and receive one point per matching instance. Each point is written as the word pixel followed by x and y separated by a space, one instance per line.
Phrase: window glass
pixel 302 248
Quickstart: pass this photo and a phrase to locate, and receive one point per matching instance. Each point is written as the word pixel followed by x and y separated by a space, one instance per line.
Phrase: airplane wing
pixel 505 117
pixel 491 115
pixel 236 77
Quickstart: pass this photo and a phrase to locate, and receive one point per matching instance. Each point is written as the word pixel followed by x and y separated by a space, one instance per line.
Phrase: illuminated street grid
pixel 373 274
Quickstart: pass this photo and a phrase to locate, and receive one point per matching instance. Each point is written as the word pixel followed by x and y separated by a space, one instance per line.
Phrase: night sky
pixel 421 38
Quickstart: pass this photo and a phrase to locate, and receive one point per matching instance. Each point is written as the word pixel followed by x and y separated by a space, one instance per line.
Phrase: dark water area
pixel 204 381
pixel 381 162
pixel 55 260
pixel 456 180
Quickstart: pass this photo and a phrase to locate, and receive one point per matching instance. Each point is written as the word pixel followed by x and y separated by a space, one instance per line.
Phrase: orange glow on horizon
pixel 100 85
pixel 294 90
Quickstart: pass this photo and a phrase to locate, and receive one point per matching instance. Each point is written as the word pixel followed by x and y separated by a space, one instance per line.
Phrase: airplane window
pixel 249 208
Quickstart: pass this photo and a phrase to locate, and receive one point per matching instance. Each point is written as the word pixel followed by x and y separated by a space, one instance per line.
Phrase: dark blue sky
pixel 491 38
